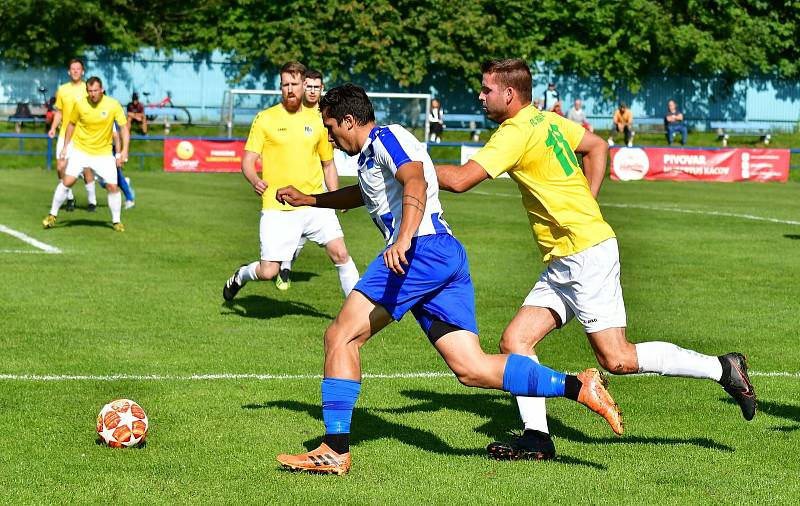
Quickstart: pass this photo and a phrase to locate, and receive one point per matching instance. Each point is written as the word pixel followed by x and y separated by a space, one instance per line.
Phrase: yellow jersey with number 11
pixel 537 150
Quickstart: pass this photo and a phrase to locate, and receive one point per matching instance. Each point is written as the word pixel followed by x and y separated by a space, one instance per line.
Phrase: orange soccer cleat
pixel 322 460
pixel 593 395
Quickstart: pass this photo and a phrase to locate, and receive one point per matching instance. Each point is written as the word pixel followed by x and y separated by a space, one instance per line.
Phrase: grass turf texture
pixel 148 302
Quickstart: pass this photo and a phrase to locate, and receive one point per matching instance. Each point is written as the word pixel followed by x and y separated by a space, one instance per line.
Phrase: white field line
pixel 668 209
pixel 277 377
pixel 46 248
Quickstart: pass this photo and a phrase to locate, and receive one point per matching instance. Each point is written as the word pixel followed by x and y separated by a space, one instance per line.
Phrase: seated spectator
pixel 436 120
pixel 673 123
pixel 578 115
pixel 537 103
pixel 623 122
pixel 136 113
pixel 557 108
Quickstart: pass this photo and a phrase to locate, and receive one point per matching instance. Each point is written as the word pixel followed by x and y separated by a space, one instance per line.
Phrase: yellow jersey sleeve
pixel 120 117
pixel 255 139
pixel 324 148
pixel 503 151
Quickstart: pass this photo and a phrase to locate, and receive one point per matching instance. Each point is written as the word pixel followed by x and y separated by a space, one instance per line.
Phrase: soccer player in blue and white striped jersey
pixel 423 269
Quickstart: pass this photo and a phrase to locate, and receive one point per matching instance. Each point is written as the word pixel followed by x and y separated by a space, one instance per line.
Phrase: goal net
pixel 239 107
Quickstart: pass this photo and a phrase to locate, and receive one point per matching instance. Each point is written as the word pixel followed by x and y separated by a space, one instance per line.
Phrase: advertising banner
pixel 192 155
pixel 683 164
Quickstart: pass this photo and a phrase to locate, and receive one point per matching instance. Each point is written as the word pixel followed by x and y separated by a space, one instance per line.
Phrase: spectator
pixel 578 115
pixel 673 122
pixel 623 122
pixel 557 108
pixel 50 113
pixel 436 119
pixel 136 113
pixel 537 103
pixel 551 98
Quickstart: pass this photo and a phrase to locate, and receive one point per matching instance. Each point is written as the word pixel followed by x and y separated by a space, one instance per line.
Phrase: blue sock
pixel 123 185
pixel 525 377
pixel 338 399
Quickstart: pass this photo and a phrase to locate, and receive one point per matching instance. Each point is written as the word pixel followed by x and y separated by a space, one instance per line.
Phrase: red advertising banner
pixel 682 164
pixel 192 155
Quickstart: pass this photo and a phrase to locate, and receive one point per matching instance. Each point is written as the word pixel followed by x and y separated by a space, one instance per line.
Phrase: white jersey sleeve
pixel 387 149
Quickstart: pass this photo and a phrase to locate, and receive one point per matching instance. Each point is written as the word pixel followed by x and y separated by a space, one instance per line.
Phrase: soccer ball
pixel 122 423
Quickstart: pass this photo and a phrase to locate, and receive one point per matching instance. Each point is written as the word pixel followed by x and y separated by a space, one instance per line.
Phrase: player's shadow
pixel 790 412
pixel 302 276
pixel 796 237
pixel 501 415
pixel 262 307
pixel 371 426
pixel 87 223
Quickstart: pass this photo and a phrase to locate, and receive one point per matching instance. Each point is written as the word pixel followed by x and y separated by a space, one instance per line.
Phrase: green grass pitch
pixel 709 266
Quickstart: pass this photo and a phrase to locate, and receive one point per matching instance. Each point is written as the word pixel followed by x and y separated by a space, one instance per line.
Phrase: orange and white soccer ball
pixel 122 423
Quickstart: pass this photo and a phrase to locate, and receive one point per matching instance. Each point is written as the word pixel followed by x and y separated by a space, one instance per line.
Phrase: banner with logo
pixel 192 155
pixel 682 164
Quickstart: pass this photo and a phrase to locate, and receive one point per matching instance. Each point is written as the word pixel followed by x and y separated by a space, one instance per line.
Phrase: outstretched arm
pixel 595 152
pixel 459 179
pixel 343 198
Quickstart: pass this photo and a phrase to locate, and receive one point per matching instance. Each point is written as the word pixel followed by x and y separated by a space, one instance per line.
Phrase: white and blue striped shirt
pixel 387 149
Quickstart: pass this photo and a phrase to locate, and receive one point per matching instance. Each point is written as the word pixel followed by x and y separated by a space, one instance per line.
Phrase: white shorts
pixel 280 232
pixel 585 285
pixel 60 146
pixel 103 165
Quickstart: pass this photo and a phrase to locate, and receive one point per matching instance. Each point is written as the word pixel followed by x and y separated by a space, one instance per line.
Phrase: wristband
pixel 118 156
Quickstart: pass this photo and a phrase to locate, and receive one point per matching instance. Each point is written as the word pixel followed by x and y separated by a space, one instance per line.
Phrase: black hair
pixel 347 99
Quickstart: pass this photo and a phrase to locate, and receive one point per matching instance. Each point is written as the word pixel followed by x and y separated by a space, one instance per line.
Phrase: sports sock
pixel 339 397
pixel 523 376
pixel 670 360
pixel 532 410
pixel 124 185
pixel 348 275
pixel 70 195
pixel 59 196
pixel 286 264
pixel 247 273
pixel 91 195
pixel 115 204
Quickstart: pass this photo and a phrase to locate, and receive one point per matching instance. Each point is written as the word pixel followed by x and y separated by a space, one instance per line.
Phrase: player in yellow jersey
pixel 67 95
pixel 312 92
pixel 581 278
pixel 294 149
pixel 91 126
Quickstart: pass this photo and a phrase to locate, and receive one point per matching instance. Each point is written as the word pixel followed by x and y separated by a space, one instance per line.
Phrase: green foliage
pixel 618 41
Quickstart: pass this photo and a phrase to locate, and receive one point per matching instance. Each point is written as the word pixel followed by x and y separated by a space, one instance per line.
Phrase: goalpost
pixel 410 110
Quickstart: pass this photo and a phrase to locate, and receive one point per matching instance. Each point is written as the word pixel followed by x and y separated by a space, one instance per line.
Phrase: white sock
pixel 92 196
pixel 348 276
pixel 667 359
pixel 70 195
pixel 532 410
pixel 59 196
pixel 115 204
pixel 286 264
pixel 248 273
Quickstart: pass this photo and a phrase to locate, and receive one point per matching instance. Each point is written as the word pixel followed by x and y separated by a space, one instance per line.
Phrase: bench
pixel 650 125
pixel 178 115
pixel 727 129
pixel 19 122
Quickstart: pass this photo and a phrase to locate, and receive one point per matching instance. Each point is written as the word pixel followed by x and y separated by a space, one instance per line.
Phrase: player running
pixel 538 150
pixel 91 125
pixel 423 269
pixel 67 95
pixel 292 144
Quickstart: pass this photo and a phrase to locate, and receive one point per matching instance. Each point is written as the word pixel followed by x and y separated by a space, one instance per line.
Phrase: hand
pixel 394 257
pixel 51 133
pixel 63 154
pixel 118 161
pixel 294 197
pixel 259 186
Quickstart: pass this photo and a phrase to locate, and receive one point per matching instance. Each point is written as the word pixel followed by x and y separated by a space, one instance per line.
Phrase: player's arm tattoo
pixel 412 201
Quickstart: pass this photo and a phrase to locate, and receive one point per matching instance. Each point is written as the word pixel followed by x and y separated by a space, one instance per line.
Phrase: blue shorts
pixel 436 285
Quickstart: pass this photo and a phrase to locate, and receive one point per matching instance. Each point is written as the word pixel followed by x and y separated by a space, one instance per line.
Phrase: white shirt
pixel 386 150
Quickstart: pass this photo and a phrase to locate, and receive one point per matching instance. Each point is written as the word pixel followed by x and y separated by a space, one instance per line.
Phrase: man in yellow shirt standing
pixel 90 126
pixel 582 274
pixel 67 95
pixel 294 149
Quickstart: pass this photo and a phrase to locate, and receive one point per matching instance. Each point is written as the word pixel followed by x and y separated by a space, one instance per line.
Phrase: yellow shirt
pixel 625 118
pixel 291 148
pixel 537 149
pixel 94 124
pixel 67 96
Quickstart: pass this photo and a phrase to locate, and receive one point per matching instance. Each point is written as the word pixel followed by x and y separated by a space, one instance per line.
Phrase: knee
pixel 336 338
pixel 338 254
pixel 514 343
